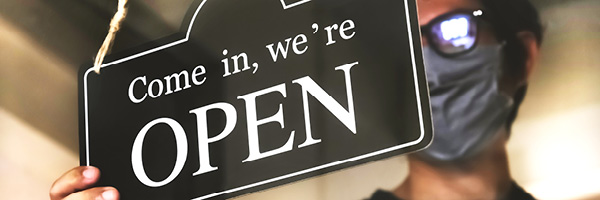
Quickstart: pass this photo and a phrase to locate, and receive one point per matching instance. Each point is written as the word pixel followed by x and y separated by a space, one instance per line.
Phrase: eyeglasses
pixel 453 33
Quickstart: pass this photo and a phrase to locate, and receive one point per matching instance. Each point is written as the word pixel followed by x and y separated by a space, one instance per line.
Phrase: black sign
pixel 255 94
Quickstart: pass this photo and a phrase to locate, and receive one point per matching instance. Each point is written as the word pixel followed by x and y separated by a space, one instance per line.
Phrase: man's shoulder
pixel 515 192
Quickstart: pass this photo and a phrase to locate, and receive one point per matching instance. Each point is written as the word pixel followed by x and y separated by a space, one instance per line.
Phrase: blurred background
pixel 554 149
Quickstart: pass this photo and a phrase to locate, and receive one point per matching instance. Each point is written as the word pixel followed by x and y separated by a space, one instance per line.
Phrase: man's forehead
pixel 430 9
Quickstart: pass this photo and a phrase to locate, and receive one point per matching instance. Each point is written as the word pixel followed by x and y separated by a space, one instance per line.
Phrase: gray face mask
pixel 467 108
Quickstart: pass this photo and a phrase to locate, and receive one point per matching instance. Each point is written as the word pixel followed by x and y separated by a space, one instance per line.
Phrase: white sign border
pixel 417 91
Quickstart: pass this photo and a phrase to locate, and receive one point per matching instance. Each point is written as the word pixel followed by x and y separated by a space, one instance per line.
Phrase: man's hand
pixel 76 184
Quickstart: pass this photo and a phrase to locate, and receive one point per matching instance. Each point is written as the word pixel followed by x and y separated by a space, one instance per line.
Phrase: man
pixel 478 55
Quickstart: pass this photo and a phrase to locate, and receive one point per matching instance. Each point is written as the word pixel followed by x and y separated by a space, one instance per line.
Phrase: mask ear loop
pixel 115 25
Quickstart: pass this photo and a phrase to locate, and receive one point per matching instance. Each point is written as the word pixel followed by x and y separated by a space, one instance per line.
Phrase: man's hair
pixel 508 18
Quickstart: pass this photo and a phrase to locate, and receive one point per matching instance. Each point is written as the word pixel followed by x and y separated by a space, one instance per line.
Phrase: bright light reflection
pixel 455 28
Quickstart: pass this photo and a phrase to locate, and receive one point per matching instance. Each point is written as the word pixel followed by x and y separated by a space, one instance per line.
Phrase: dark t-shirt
pixel 515 193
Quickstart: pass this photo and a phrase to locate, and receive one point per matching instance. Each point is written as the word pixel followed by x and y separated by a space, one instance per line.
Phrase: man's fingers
pixel 98 193
pixel 76 179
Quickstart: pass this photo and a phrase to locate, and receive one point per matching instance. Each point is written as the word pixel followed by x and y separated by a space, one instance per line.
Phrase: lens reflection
pixel 455 34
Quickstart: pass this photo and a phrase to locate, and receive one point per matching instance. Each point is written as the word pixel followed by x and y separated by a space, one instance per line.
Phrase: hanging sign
pixel 255 94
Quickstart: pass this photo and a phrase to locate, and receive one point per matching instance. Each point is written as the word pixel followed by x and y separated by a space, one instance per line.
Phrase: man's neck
pixel 484 177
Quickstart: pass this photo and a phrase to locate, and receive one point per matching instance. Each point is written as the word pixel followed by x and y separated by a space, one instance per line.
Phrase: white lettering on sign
pixel 308 86
pixel 136 152
pixel 253 123
pixel 177 82
pixel 236 63
pixel 346 26
pixel 130 93
pixel 156 86
pixel 204 140
pixel 300 39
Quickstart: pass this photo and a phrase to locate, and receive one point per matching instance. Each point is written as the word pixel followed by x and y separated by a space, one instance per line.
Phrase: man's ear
pixel 531 46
